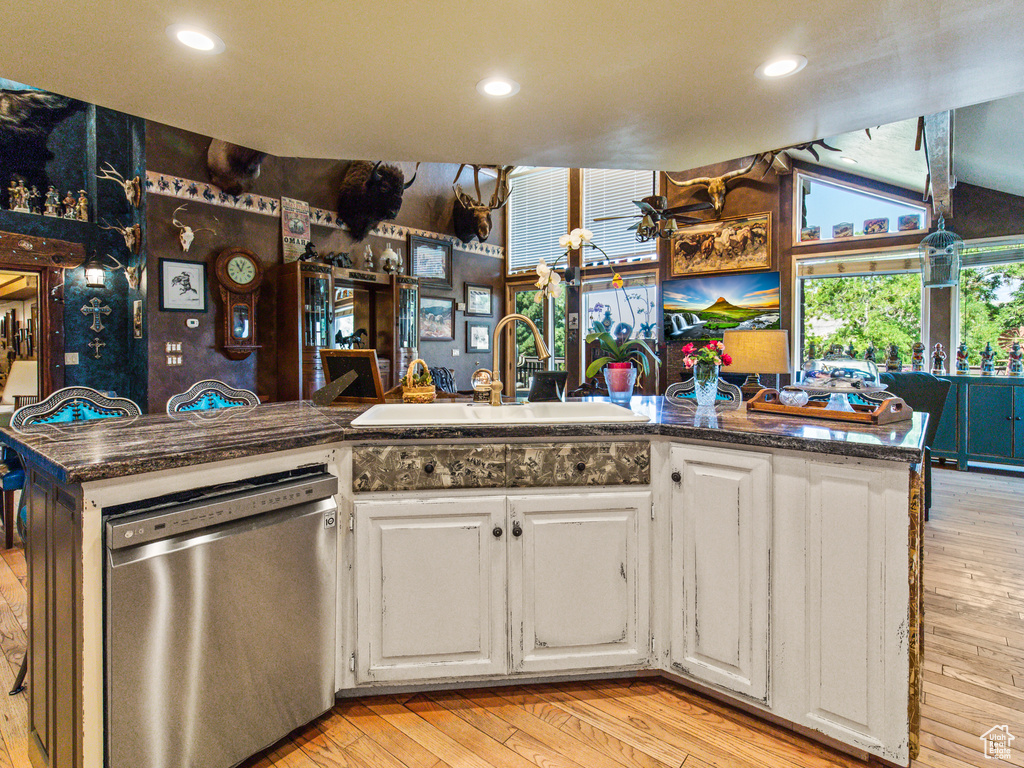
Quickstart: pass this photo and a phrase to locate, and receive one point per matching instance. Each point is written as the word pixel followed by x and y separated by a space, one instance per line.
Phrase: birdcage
pixel 940 257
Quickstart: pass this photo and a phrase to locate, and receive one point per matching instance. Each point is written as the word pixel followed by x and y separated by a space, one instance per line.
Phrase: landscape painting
pixel 705 307
pixel 437 319
pixel 730 245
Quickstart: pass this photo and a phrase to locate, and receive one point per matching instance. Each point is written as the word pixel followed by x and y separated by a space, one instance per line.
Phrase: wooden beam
pixel 938 131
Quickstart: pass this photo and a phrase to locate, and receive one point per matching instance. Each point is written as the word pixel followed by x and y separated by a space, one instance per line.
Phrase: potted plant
pixel 705 363
pixel 618 362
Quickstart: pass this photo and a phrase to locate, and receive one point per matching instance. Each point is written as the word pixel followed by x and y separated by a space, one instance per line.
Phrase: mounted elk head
pixel 370 193
pixel 233 168
pixel 716 185
pixel 472 217
pixel 132 235
pixel 186 234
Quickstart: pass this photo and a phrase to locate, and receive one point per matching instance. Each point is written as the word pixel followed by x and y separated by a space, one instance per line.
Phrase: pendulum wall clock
pixel 239 273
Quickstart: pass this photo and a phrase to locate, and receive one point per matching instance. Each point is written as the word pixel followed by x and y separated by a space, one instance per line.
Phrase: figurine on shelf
pixel 988 360
pixel 33 200
pixel 1015 366
pixel 51 206
pixel 871 353
pixel 962 366
pixel 836 350
pixel 82 206
pixel 19 197
pixel 368 258
pixel 851 351
pixel 309 253
pixel 812 351
pixel 917 356
pixel 893 362
pixel 69 205
pixel 938 360
pixel 12 194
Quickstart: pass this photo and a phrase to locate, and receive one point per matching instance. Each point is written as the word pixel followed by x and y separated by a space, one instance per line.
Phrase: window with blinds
pixel 538 214
pixel 611 193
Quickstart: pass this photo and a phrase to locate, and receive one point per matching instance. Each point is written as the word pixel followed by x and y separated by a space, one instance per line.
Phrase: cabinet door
pixel 1018 422
pixel 721 538
pixel 990 420
pixel 579 575
pixel 430 588
pixel 946 436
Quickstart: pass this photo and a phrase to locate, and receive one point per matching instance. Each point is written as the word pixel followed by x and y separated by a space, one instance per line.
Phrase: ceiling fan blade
pixel 645 207
pixel 635 226
pixel 687 208
pixel 615 218
pixel 687 220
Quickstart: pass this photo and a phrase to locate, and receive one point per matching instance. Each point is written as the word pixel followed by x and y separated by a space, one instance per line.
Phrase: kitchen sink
pixel 468 414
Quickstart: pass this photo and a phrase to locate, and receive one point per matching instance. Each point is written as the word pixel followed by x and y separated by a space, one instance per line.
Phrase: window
pixel 833 210
pixel 991 297
pixel 611 193
pixel 538 214
pixel 635 304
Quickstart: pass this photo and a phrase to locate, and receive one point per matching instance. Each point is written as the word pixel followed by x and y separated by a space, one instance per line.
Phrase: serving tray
pixel 885 412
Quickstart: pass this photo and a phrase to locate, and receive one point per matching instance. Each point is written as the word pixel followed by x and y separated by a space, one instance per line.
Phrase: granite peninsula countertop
pixel 109 448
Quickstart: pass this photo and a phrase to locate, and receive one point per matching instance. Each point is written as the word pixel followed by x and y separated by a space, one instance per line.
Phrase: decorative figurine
pixel 368 258
pixel 917 356
pixel 12 194
pixel 309 253
pixel 893 362
pixel 70 204
pixel 938 360
pixel 51 206
pixel 82 206
pixel 19 197
pixel 988 360
pixel 851 351
pixel 33 200
pixel 812 351
pixel 870 353
pixel 1015 366
pixel 962 366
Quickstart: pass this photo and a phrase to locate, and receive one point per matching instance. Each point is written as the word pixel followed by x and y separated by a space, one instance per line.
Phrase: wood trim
pixel 37 253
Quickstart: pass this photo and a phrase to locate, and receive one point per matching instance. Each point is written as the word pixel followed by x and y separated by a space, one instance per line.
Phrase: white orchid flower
pixel 585 235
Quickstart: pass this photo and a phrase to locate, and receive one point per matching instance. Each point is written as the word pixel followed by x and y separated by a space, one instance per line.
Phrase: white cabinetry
pixel 430 581
pixel 579 580
pixel 721 534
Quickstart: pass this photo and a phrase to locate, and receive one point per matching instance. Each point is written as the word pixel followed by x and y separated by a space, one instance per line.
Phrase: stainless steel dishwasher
pixel 220 621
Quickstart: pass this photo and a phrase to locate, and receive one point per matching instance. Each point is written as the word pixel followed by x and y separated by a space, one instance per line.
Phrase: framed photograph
pixel 367 388
pixel 478 336
pixel 739 244
pixel 703 308
pixel 437 319
pixel 478 300
pixel 182 286
pixel 430 260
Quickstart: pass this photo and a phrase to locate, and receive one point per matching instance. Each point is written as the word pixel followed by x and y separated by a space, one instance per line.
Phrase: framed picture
pixel 367 388
pixel 739 244
pixel 478 336
pixel 478 300
pixel 705 307
pixel 182 286
pixel 437 319
pixel 431 260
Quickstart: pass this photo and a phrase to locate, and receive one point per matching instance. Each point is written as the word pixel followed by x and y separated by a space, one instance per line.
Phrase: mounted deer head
pixel 233 168
pixel 132 235
pixel 132 187
pixel 471 218
pixel 716 185
pixel 187 234
pixel 131 273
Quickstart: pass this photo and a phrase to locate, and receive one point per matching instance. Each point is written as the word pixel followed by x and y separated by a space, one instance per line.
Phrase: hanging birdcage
pixel 940 257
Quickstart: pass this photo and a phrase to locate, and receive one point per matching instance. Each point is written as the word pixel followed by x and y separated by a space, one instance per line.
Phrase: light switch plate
pixel 455 353
pixel 574 321
pixel 70 358
pixel 461 306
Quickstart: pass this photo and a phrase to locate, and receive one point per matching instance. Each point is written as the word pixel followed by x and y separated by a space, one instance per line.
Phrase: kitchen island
pixel 773 562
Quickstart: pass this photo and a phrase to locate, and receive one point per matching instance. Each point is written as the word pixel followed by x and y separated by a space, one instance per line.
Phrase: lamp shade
pixel 758 351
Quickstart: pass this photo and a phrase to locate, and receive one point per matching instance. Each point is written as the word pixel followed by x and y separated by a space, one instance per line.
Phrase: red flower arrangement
pixel 711 354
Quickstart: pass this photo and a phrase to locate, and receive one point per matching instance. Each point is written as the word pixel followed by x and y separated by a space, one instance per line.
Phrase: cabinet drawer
pixel 427 467
pixel 560 464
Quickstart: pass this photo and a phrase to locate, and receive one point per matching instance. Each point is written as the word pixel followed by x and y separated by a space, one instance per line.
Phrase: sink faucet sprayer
pixel 542 352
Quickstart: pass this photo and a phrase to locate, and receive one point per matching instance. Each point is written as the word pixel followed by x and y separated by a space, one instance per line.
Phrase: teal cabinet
pixel 1018 422
pixel 946 440
pixel 990 415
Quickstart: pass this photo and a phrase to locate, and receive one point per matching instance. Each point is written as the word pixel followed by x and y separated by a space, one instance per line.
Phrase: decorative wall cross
pixel 93 308
pixel 97 345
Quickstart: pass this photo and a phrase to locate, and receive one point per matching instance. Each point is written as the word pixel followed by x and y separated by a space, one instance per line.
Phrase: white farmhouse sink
pixel 466 414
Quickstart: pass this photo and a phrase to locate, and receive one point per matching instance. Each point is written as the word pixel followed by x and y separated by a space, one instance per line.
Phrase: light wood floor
pixel 974 679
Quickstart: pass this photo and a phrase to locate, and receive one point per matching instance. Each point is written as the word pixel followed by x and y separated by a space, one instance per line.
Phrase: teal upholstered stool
pixel 210 395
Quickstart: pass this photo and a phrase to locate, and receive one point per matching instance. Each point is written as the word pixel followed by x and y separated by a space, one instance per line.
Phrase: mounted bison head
pixel 370 193
pixel 472 217
pixel 233 168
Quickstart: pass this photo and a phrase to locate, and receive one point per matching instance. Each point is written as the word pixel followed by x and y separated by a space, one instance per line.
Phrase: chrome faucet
pixel 542 352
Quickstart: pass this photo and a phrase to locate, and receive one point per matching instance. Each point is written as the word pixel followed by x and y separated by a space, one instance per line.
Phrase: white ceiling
pixel 988 145
pixel 656 84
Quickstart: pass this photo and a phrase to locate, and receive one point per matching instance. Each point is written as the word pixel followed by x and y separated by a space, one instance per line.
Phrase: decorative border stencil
pixel 204 192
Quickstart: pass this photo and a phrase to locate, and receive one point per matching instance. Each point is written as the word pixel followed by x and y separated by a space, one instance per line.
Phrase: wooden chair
pixel 210 395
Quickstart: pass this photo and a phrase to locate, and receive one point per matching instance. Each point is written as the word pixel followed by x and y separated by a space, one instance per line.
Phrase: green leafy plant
pixel 423 379
pixel 614 352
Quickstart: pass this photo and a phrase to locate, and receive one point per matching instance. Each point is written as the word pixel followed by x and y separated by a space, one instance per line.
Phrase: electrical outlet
pixel 70 358
pixel 172 346
pixel 174 360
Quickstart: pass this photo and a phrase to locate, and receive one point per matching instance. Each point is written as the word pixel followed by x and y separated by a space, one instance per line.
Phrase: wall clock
pixel 239 273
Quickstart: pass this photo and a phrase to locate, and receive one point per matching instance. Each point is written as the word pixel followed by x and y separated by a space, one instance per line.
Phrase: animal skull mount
pixel 370 193
pixel 132 235
pixel 131 274
pixel 471 217
pixel 716 185
pixel 233 168
pixel 132 187
pixel 186 234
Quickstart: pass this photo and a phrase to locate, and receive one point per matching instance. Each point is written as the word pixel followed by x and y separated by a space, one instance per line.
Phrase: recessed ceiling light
pixel 849 160
pixel 195 38
pixel 498 86
pixel 781 66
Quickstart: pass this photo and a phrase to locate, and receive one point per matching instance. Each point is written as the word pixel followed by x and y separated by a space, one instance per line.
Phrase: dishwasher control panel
pixel 222 508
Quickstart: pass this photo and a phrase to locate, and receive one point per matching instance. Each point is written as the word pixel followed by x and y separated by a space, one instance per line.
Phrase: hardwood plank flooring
pixel 973 658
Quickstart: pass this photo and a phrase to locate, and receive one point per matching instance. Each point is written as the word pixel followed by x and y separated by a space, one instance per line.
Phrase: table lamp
pixel 756 352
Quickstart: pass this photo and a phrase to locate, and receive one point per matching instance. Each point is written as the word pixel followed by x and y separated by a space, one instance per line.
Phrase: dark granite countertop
pixel 75 453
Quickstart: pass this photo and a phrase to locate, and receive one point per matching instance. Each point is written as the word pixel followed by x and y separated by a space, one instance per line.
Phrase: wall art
pixel 478 336
pixel 182 286
pixel 430 260
pixel 741 243
pixel 437 318
pixel 705 307
pixel 478 300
